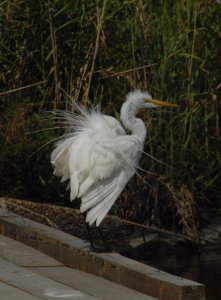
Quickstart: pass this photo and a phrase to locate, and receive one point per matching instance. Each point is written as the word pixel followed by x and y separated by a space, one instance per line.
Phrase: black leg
pixel 94 247
pixel 104 240
pixel 90 237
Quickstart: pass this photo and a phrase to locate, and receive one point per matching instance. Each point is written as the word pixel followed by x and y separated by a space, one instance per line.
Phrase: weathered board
pixel 37 285
pixel 9 292
pixel 91 284
pixel 40 263
pixel 23 255
pixel 75 253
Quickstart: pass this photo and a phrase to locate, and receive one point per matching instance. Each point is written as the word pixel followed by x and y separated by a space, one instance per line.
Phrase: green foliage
pixel 98 51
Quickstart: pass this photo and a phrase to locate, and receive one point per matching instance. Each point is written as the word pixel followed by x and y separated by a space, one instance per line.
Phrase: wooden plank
pixel 9 292
pixel 75 253
pixel 23 255
pixel 37 285
pixel 5 213
pixel 42 264
pixel 90 284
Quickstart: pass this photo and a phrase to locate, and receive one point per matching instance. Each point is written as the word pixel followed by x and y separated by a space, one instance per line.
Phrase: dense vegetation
pixel 97 51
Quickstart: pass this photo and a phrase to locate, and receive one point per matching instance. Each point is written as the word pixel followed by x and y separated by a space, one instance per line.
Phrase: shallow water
pixel 204 268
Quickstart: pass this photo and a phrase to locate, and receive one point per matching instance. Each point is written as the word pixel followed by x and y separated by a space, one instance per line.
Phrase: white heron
pixel 98 157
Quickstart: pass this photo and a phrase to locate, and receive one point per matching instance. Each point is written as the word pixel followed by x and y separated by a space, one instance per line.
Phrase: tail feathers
pixel 99 211
pixel 98 194
pixel 104 209
pixel 99 201
pixel 85 186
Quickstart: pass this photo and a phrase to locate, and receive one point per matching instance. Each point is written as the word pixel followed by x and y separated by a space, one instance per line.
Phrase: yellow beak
pixel 161 103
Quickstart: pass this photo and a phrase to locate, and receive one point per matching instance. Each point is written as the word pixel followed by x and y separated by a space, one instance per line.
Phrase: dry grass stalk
pixel 98 30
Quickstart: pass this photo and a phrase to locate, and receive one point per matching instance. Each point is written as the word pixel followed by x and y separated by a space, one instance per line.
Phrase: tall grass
pixel 98 51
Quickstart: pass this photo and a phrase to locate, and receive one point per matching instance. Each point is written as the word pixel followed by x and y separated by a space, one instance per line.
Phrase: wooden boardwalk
pixel 26 273
pixel 40 262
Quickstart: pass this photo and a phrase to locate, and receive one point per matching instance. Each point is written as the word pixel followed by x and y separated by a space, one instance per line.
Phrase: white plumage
pixel 97 155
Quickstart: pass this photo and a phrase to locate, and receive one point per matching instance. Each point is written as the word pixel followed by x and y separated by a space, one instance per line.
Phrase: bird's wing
pixel 113 164
pixel 59 158
pixel 108 157
pixel 100 198
pixel 99 159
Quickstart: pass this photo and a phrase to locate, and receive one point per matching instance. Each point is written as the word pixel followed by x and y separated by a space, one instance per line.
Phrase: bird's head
pixel 144 100
pixel 135 101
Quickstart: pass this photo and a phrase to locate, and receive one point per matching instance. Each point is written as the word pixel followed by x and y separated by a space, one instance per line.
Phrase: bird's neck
pixel 128 118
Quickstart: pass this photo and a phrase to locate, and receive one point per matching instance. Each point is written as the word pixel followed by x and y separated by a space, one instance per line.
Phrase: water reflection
pixel 201 265
pixel 204 268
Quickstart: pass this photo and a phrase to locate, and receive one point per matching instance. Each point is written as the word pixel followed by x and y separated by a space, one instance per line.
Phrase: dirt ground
pixel 131 240
pixel 71 221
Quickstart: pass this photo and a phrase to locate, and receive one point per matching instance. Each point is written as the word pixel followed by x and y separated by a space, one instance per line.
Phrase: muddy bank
pixel 127 238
